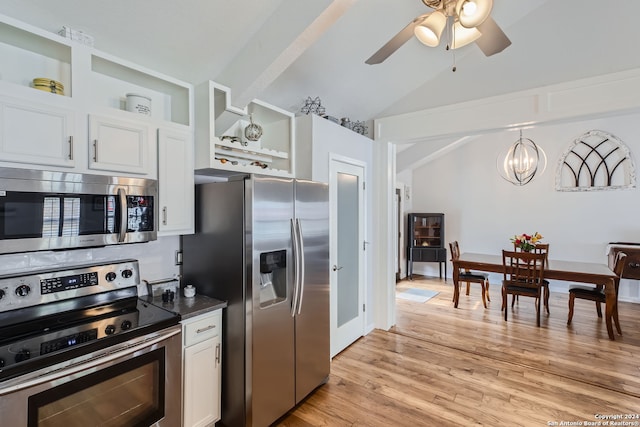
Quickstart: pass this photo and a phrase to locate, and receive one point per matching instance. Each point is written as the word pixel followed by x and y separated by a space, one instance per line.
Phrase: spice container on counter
pixel 189 291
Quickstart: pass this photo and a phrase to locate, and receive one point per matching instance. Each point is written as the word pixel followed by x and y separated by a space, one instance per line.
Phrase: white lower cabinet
pixel 119 145
pixel 201 369
pixel 36 133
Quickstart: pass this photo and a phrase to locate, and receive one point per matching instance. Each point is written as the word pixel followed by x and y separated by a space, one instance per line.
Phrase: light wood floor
pixel 441 366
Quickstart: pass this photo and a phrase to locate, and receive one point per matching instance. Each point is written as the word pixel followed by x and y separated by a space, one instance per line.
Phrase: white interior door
pixel 346 193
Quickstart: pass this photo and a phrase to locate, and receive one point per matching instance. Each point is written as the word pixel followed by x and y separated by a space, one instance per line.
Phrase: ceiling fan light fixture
pixel 462 36
pixel 430 30
pixel 472 13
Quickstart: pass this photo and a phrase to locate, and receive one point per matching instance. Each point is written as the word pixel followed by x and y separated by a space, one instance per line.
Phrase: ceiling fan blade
pixel 394 44
pixel 493 39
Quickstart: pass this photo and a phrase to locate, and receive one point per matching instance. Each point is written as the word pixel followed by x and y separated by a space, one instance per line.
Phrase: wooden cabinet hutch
pixel 426 241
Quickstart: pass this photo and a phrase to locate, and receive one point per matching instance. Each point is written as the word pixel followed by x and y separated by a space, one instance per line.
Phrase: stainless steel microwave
pixel 45 210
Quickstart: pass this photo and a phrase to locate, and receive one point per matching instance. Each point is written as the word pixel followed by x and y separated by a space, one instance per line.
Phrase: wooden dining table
pixel 572 271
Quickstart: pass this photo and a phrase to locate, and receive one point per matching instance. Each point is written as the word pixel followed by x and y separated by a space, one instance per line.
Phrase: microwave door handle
pixel 122 198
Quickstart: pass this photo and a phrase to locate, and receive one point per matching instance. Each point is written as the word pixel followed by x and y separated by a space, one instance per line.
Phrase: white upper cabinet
pixel 87 126
pixel 34 133
pixel 119 146
pixel 222 148
pixel 176 182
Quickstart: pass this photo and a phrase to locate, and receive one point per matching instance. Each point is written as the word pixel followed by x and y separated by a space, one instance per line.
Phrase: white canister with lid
pixel 139 104
pixel 189 291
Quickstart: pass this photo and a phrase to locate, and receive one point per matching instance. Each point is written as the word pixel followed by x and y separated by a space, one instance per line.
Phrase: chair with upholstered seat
pixel 523 275
pixel 597 294
pixel 540 248
pixel 467 276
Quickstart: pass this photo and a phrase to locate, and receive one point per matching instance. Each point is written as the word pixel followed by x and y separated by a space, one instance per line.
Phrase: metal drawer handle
pixel 71 147
pixel 634 264
pixel 205 329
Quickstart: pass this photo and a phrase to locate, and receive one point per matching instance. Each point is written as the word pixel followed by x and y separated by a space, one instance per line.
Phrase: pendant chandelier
pixel 523 161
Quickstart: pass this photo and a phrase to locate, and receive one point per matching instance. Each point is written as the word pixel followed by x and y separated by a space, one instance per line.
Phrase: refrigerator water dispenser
pixel 273 277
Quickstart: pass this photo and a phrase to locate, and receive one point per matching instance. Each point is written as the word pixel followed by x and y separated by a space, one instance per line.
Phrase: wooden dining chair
pixel 468 277
pixel 540 248
pixel 523 274
pixel 597 294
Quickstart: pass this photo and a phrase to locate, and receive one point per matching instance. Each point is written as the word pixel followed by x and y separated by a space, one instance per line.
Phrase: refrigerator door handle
pixel 302 262
pixel 296 272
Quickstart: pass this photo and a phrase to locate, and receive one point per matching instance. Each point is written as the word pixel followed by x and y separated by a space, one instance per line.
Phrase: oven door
pixel 132 384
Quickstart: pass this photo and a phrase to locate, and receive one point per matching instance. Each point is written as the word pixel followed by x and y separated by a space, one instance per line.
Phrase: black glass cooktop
pixel 39 336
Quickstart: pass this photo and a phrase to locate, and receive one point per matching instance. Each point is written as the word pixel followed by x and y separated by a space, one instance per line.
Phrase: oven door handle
pixel 102 357
pixel 124 214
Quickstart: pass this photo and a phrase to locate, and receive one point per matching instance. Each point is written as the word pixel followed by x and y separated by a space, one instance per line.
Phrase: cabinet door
pixel 119 146
pixel 36 134
pixel 432 255
pixel 426 230
pixel 202 383
pixel 175 182
pixel 416 255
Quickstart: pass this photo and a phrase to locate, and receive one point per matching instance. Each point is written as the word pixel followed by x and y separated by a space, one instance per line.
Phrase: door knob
pixel 336 268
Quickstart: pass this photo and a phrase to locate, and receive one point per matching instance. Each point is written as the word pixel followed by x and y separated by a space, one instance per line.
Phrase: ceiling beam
pixel 294 27
pixel 421 153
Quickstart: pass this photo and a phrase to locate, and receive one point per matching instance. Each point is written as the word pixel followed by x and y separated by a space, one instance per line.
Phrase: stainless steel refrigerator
pixel 262 244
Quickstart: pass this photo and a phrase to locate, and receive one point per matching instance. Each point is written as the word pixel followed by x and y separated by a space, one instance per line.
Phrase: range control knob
pixel 23 355
pixel 110 330
pixel 111 276
pixel 126 325
pixel 127 273
pixel 1 296
pixel 23 290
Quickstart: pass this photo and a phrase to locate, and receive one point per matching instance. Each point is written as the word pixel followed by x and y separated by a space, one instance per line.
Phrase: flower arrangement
pixel 526 242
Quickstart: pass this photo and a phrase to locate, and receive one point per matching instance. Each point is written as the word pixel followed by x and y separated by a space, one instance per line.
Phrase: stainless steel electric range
pixel 78 347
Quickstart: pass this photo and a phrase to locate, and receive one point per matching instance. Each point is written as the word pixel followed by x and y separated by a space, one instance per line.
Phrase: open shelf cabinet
pixel 221 145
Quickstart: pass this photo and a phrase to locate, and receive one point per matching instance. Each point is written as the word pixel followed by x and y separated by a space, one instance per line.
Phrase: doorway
pixel 346 196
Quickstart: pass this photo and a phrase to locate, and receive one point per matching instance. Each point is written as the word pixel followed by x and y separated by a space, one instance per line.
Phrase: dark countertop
pixel 187 307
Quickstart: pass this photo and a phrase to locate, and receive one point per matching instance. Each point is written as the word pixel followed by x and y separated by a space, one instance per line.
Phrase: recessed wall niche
pixel 595 161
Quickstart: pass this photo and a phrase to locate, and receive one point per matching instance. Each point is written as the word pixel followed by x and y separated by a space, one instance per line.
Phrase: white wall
pixel 482 210
pixel 404 183
pixel 316 139
pixel 156 259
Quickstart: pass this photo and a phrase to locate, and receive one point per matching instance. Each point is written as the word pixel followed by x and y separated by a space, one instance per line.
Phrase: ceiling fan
pixel 461 21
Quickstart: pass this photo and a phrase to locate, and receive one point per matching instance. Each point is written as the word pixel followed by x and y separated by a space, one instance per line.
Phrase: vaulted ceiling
pixel 283 51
